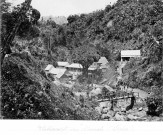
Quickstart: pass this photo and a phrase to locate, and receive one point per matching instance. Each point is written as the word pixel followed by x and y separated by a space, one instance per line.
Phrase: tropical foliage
pixel 127 24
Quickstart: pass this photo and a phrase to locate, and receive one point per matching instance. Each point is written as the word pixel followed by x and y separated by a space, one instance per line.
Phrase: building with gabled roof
pixel 62 64
pixel 57 72
pixel 127 54
pixel 102 61
pixel 49 67
pixel 75 66
pixel 79 67
pixel 130 53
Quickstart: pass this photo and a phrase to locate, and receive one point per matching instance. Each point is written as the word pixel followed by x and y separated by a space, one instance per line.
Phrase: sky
pixel 66 7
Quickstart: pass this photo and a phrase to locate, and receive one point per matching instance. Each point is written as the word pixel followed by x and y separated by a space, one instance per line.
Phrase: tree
pixel 20 14
pixel 62 54
pixel 72 18
pixel 85 55
pixel 107 8
pixel 47 38
pixel 51 22
pixel 5 6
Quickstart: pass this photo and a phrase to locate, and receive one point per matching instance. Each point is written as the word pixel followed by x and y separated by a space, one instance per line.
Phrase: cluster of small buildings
pixel 67 73
pixel 73 70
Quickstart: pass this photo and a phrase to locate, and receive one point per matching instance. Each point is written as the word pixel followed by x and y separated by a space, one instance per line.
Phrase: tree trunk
pixel 2 58
pixel 85 71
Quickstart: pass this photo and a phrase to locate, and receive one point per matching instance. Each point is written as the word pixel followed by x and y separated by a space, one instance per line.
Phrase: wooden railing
pixel 119 96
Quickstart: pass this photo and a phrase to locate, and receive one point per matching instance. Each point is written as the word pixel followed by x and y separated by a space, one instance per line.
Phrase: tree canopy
pixel 85 55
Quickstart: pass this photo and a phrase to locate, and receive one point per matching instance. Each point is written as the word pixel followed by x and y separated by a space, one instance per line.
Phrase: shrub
pixel 154 105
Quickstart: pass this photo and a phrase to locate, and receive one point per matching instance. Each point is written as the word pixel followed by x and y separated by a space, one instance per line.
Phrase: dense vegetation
pixel 127 24
pixel 27 93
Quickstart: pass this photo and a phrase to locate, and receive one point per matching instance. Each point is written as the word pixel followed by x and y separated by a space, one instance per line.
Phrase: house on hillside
pixel 74 67
pixel 102 61
pixel 48 68
pixel 101 64
pixel 56 73
pixel 127 54
pixel 62 64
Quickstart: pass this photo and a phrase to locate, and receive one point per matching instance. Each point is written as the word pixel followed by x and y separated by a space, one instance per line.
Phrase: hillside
pixel 58 19
pixel 126 25
pixel 27 93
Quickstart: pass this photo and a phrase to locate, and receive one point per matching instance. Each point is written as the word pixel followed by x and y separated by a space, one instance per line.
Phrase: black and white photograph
pixel 82 60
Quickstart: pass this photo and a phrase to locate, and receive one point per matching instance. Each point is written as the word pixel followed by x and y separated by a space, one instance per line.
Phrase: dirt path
pixel 142 94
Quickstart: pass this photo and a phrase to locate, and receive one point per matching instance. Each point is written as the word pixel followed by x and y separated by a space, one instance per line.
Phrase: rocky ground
pixel 138 113
pixel 119 113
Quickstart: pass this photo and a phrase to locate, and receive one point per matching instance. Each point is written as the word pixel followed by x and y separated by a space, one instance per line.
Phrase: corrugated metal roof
pixel 130 53
pixel 57 71
pixel 60 74
pixel 61 63
pixel 49 67
pixel 103 61
pixel 75 65
pixel 79 66
pixel 92 68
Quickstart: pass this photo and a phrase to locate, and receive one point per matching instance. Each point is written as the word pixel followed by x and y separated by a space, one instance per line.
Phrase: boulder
pixel 105 110
pixel 116 109
pixel 142 119
pixel 105 119
pixel 103 104
pixel 109 105
pixel 131 117
pixel 98 109
pixel 95 92
pixel 105 116
pixel 130 112
pixel 161 115
pixel 120 117
pixel 157 119
pixel 139 100
pixel 141 114
pixel 123 109
pixel 112 119
pixel 145 109
pixel 122 104
pixel 140 109
pixel 111 114
pixel 39 113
